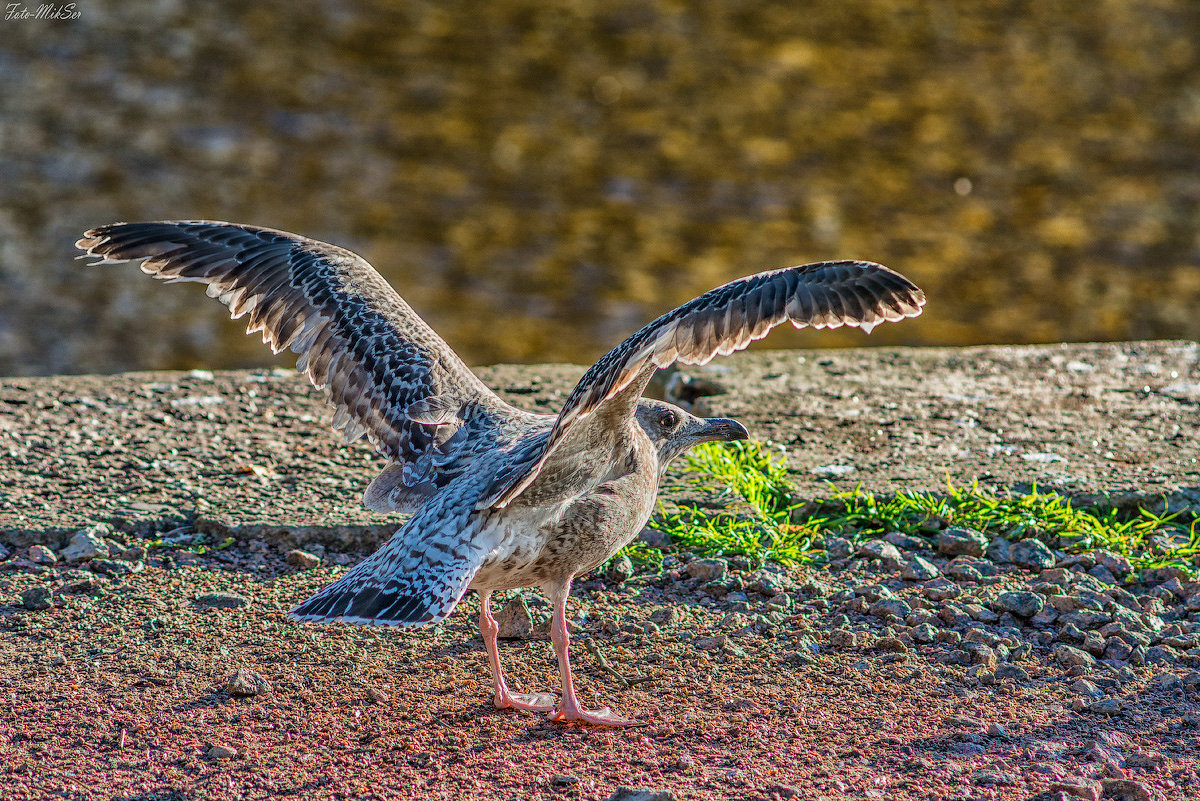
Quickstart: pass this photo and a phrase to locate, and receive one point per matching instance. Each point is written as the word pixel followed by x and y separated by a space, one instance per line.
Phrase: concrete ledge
pixel 250 453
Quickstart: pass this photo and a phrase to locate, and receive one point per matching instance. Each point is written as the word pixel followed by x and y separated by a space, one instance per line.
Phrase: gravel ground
pixel 249 453
pixel 938 667
pixel 166 675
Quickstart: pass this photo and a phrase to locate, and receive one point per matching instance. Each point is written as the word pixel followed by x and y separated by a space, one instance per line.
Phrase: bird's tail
pixel 394 602
pixel 416 578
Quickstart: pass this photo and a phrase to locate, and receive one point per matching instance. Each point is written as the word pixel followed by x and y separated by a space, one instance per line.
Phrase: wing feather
pixel 822 295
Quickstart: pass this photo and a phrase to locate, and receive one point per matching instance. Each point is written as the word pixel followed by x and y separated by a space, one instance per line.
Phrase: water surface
pixel 541 178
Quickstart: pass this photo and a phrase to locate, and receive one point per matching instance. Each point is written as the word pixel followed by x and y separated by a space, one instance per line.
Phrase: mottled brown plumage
pixel 501 498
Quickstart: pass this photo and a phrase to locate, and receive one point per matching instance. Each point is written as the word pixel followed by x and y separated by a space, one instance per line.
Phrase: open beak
pixel 720 429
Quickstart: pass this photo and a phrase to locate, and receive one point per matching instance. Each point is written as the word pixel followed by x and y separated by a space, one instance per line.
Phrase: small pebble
pixel 891 645
pixel 879 550
pixel 620 569
pixel 246 683
pixel 1125 790
pixel 1083 789
pixel 40 555
pixel 631 794
pixel 303 560
pixel 987 777
pixel 965 541
pixel 1024 604
pixel 221 752
pixel 653 538
pixel 841 639
pixel 514 620
pixel 940 589
pixel 711 643
pixel 1031 554
pixel 708 569
pixel 1011 672
pixel 88 543
pixel 920 569
pixel 35 599
pixel 1069 656
pixel 222 600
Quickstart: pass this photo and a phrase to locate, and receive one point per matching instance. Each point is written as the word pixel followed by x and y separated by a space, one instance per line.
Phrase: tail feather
pixel 372 605
pixel 420 574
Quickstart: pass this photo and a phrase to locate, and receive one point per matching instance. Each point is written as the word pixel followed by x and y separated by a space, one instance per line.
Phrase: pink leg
pixel 503 699
pixel 569 708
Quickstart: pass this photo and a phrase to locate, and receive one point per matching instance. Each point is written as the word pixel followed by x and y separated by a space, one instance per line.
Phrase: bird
pixel 499 498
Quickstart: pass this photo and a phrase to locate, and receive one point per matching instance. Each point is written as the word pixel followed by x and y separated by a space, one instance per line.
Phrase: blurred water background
pixel 541 177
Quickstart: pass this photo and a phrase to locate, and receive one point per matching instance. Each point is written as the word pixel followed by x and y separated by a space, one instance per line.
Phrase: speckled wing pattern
pixel 422 572
pixel 719 322
pixel 385 371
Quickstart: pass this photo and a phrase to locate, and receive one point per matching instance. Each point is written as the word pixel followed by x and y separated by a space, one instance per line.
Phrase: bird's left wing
pixel 385 371
pixel 719 322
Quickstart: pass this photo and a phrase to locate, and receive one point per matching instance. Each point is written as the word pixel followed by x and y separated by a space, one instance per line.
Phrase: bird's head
pixel 673 431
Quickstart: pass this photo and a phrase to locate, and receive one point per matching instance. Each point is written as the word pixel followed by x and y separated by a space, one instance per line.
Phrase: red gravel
pixel 124 695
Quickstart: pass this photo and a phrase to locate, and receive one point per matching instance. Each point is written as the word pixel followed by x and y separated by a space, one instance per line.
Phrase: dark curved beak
pixel 721 429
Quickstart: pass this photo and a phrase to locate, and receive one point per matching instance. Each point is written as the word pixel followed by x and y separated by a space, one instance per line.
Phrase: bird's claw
pixel 600 717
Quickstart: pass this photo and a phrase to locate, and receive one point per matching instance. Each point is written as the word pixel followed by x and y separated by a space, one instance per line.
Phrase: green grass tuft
pixel 758 502
pixel 1147 539
pixel 757 515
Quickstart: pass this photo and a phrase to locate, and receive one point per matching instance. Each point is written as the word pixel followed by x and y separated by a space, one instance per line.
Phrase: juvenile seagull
pixel 500 498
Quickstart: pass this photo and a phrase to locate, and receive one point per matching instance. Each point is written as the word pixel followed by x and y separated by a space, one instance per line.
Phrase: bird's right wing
pixel 385 371
pixel 719 322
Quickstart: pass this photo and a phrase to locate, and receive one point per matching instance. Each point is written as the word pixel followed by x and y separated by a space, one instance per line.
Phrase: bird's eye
pixel 667 420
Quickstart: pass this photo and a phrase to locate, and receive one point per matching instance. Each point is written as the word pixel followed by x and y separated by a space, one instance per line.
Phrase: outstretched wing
pixel 386 372
pixel 721 321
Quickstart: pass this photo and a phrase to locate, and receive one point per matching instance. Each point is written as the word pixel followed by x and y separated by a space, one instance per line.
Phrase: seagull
pixel 500 498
